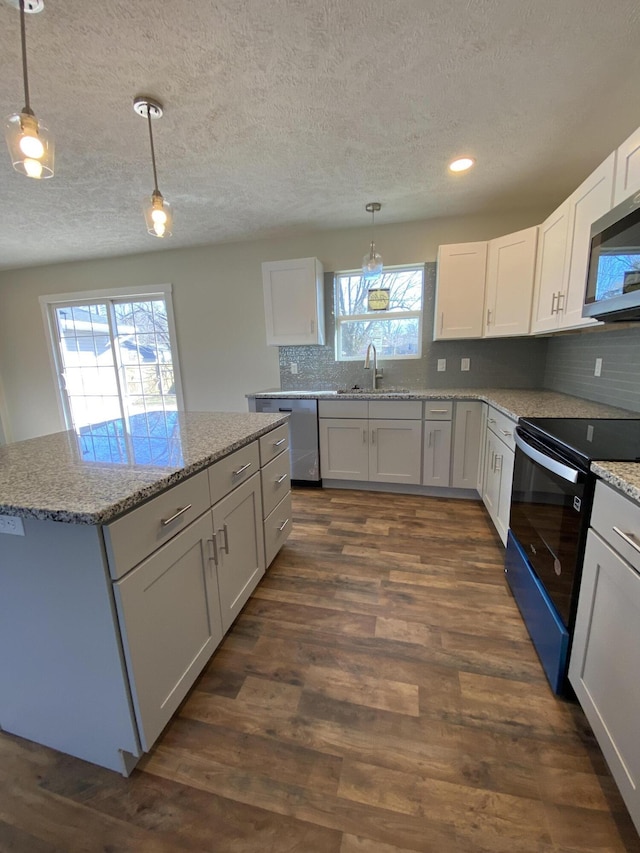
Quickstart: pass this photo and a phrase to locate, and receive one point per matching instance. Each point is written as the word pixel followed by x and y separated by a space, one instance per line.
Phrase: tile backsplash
pixel 506 363
pixel 571 362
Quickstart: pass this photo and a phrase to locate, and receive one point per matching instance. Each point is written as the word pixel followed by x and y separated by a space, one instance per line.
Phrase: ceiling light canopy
pixel 31 146
pixel 157 210
pixel 372 261
pixel 461 164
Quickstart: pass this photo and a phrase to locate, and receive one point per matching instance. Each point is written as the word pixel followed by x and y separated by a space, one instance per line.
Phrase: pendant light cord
pixel 25 76
pixel 153 153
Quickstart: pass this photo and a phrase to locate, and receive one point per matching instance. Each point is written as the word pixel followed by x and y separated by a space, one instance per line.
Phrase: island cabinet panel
pixel 62 680
pixel 233 470
pixel 274 443
pixel 133 536
pixel 169 612
pixel 277 527
pixel 276 482
pixel 239 547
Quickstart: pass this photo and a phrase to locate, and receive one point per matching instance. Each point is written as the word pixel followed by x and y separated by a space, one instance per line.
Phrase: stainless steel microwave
pixel 613 277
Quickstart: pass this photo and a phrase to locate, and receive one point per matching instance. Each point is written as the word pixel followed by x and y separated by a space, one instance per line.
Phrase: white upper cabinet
pixel 563 253
pixel 294 301
pixel 509 284
pixel 460 291
pixel 627 168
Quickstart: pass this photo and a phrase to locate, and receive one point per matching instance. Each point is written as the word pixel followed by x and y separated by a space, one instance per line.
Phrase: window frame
pixel 48 304
pixel 342 319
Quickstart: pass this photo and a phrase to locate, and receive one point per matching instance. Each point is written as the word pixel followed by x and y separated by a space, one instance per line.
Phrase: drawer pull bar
pixel 283 525
pixel 225 533
pixel 278 443
pixel 280 479
pixel 165 521
pixel 439 411
pixel 628 538
pixel 215 550
pixel 506 432
pixel 243 468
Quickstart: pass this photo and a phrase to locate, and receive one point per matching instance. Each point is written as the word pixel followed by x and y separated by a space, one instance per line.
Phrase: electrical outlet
pixel 11 524
pixel 294 367
pixel 597 371
pixel 465 364
pixel 442 365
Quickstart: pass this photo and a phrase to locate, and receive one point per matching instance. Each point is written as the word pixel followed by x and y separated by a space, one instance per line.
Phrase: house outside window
pixel 395 330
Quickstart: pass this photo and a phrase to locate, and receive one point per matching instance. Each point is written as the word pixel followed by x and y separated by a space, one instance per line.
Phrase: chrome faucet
pixel 377 374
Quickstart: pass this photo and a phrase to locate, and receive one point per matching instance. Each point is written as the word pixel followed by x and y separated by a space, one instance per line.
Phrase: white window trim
pixel 382 315
pixel 80 297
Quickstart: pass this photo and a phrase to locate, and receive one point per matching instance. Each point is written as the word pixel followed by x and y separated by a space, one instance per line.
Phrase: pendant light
pixel 31 147
pixel 372 261
pixel 157 210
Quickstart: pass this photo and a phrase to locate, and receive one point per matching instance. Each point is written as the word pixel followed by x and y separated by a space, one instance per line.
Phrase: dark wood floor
pixel 378 693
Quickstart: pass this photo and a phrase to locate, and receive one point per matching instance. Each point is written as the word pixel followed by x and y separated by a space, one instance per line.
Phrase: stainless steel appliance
pixel 613 279
pixel 303 434
pixel 550 511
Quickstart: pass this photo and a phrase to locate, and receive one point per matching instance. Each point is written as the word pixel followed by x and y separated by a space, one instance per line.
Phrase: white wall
pixel 219 312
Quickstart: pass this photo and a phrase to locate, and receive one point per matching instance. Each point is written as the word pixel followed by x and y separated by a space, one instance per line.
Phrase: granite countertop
pixel 93 477
pixel 624 476
pixel 514 403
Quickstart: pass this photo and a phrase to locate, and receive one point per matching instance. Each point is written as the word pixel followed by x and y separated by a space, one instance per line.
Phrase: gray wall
pixel 571 361
pixel 509 363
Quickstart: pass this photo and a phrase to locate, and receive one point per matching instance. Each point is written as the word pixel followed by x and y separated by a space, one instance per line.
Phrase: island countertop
pixel 94 476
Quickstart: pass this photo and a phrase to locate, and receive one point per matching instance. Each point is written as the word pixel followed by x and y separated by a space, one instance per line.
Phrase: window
pixel 115 361
pixel 395 331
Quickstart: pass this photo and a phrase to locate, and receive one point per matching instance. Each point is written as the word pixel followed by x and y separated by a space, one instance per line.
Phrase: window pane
pixel 390 337
pixel 405 292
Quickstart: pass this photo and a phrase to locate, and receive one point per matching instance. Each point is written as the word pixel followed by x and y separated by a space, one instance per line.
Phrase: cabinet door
pixel 589 202
pixel 604 667
pixel 344 448
pixel 394 451
pixel 170 621
pixel 504 473
pixel 437 453
pixel 627 179
pixel 550 265
pixel 293 301
pixel 491 482
pixel 483 449
pixel 460 291
pixel 509 288
pixel 239 545
pixel 466 445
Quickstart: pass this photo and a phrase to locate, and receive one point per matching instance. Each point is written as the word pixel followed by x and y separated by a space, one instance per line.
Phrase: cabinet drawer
pixel 277 527
pixel 396 409
pixel 343 408
pixel 617 520
pixel 503 426
pixel 137 534
pixel 276 482
pixel 274 443
pixel 234 469
pixel 438 410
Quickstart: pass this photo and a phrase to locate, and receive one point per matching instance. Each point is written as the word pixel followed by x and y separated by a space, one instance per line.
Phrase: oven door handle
pixel 565 471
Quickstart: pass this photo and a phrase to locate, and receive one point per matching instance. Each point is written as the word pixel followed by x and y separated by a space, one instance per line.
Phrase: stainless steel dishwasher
pixel 303 434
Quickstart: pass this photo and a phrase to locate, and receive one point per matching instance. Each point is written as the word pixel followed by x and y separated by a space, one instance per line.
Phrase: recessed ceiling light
pixel 461 164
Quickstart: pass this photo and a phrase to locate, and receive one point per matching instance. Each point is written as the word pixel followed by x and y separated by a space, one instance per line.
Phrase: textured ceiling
pixel 284 116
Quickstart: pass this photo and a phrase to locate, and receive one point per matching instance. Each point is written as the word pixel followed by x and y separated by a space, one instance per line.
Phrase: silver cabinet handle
pixel 177 514
pixel 505 431
pixel 488 316
pixel 277 444
pixel 280 479
pixel 243 468
pixel 215 550
pixel 553 303
pixel 312 327
pixel 225 534
pixel 430 442
pixel 373 436
pixel 439 411
pixel 283 525
pixel 560 306
pixel 364 436
pixel 492 420
pixel 498 464
pixel 441 322
pixel 629 538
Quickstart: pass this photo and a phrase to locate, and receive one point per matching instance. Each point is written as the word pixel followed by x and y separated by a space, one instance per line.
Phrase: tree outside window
pixel 396 331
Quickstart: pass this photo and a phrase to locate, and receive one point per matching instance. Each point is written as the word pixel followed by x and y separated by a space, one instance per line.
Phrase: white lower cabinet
pixel 394 451
pixel 170 622
pixel 499 456
pixel 437 453
pixel 467 428
pixel 604 667
pixel 344 448
pixel 238 547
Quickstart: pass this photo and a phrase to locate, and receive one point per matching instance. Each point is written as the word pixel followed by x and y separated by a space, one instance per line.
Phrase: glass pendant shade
pixel 31 146
pixel 158 216
pixel 372 263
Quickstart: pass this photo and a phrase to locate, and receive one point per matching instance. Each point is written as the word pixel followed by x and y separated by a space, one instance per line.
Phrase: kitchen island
pixel 132 552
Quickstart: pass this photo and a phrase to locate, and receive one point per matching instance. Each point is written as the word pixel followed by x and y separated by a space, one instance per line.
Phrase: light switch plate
pixel 294 367
pixel 442 365
pixel 11 524
pixel 465 364
pixel 597 371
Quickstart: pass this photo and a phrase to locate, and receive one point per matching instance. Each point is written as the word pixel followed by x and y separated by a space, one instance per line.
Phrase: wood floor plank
pixel 377 694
